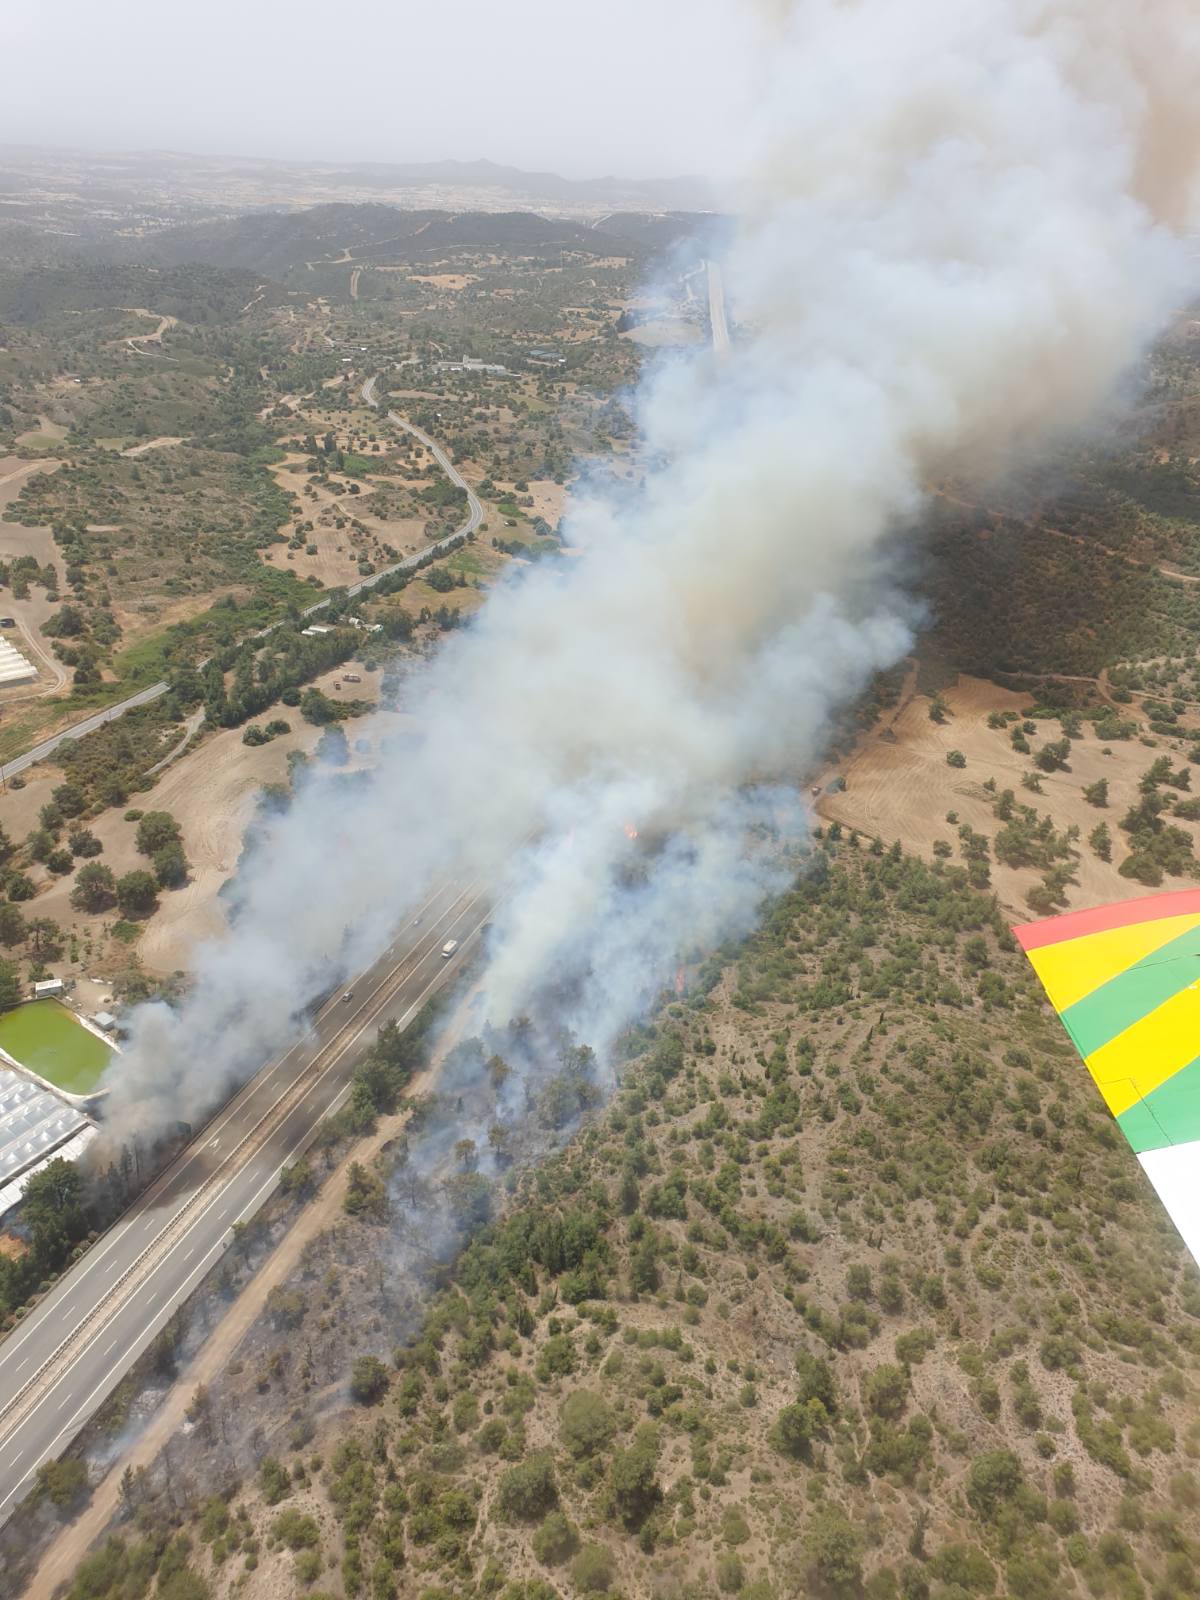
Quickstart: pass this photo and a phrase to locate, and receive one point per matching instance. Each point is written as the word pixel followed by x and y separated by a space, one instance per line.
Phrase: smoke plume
pixel 958 224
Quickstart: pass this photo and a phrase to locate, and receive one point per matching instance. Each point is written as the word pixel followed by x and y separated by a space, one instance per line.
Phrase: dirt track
pixel 162 443
pixel 336 560
pixel 16 539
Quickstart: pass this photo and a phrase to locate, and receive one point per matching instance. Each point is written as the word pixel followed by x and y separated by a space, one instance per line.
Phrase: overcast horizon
pixel 314 159
pixel 640 93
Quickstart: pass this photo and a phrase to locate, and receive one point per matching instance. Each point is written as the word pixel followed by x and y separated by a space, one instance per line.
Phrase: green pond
pixel 46 1038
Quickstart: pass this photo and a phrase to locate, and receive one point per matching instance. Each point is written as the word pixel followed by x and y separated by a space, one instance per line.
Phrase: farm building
pixel 13 666
pixel 35 1126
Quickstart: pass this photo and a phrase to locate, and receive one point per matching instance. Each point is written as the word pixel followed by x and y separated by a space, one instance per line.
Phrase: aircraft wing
pixel 1125 980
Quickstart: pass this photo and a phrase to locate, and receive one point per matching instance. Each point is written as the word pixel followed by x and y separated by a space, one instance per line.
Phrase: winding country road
pixel 474 517
pixel 474 506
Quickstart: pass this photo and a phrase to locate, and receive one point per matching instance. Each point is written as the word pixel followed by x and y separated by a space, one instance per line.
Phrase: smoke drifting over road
pixel 959 224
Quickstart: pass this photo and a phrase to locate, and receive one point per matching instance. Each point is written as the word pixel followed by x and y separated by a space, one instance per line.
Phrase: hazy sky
pixel 634 87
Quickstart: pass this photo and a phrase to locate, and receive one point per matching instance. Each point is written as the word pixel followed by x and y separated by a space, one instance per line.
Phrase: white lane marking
pixel 182 1290
pixel 144 1219
pixel 236 1106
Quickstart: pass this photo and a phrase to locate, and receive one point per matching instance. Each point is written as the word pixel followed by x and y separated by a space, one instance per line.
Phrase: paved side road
pixel 78 729
pixel 474 506
pixel 410 563
pixel 87 1332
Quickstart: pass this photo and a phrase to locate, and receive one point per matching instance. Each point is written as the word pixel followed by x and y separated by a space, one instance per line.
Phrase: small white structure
pixel 35 1126
pixel 48 988
pixel 13 666
pixel 315 629
pixel 105 1020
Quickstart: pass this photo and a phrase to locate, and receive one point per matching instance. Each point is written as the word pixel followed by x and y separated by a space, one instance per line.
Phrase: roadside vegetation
pixel 852 1290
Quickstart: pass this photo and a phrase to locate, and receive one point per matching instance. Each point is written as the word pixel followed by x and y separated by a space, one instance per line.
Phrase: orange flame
pixel 630 831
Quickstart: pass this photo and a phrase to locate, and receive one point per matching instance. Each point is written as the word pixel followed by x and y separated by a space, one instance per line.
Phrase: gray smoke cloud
pixel 958 226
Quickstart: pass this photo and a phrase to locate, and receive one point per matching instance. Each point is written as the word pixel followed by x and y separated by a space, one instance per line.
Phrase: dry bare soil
pixel 212 792
pixel 898 785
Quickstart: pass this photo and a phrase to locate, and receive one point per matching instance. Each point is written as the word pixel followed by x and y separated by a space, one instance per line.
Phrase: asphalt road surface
pixel 718 325
pixel 474 508
pixel 78 729
pixel 474 517
pixel 68 1355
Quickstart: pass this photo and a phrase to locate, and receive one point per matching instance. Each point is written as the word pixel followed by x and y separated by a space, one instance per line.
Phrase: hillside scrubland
pixel 852 1289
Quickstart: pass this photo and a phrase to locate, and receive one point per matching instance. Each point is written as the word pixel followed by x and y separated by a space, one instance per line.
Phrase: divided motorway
pixel 68 1355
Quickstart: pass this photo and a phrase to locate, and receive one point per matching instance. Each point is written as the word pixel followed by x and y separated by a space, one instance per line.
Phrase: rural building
pixel 13 666
pixel 35 1127
pixel 105 1020
pixel 546 358
pixel 316 629
pixel 48 988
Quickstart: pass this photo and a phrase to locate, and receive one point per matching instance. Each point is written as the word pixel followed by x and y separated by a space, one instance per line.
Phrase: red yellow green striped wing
pixel 1125 979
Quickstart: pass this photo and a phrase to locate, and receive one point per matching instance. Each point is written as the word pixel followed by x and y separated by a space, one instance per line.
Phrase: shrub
pixel 815 1381
pixel 529 1490
pixel 557 1358
pixel 62 1482
pixel 731 1575
pixel 964 1565
pixel 155 829
pixel 592 1570
pixel 555 1541
pixel 137 893
pixel 994 1478
pixel 368 1380
pixel 308 1566
pixel 274 1481
pixel 886 1391
pixel 95 888
pixel 797 1425
pixel 635 1488
pixel 296 1529
pixel 735 1529
pixel 586 1423
pixel 171 866
pixel 834 1548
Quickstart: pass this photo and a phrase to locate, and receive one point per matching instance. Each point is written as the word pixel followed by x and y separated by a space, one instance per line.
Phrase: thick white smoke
pixel 959 224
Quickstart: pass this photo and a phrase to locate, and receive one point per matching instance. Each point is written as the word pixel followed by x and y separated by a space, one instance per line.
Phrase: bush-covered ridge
pixel 852 1289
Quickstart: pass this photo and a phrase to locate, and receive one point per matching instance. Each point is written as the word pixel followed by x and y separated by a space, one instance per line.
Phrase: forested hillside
pixel 852 1288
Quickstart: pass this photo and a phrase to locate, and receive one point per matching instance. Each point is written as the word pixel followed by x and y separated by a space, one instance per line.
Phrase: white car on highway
pixel 448 949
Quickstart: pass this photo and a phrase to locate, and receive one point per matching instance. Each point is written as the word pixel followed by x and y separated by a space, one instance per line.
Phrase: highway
pixel 410 563
pixel 717 323
pixel 68 1355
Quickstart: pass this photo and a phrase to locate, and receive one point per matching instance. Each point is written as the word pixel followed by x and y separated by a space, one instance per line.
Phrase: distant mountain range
pixel 536 189
pixel 168 182
pixel 64 206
